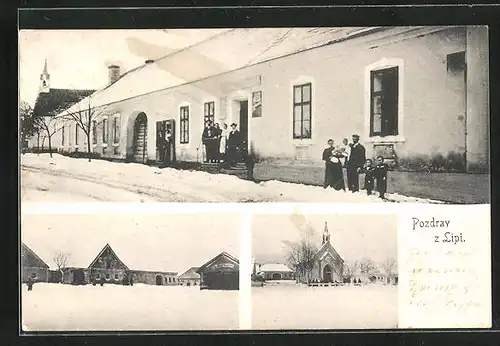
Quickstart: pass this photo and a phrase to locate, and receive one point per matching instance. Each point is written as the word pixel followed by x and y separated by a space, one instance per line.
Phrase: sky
pixel 79 59
pixel 166 242
pixel 353 236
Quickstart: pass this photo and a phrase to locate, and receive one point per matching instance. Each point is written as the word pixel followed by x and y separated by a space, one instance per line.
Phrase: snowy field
pixel 67 179
pixel 290 306
pixel 58 307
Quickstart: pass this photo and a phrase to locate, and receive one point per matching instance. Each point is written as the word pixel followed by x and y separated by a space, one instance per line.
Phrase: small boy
pixel 369 171
pixel 381 176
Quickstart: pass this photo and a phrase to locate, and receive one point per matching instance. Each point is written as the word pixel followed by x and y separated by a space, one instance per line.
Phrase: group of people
pixel 352 157
pixel 221 144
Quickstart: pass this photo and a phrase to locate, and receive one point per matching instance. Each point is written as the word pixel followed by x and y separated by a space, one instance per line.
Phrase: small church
pixel 328 265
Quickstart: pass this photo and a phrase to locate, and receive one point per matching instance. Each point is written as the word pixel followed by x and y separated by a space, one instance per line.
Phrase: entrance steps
pixel 240 170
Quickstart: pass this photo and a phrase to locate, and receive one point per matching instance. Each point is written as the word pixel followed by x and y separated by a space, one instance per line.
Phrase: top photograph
pixel 252 115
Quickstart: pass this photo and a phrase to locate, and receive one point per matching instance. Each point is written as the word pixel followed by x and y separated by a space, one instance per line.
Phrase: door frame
pixel 233 112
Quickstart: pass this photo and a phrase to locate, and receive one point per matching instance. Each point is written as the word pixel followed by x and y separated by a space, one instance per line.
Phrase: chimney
pixel 113 73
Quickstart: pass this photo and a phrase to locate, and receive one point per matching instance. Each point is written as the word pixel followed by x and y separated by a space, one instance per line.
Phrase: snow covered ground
pixel 67 179
pixel 58 307
pixel 290 306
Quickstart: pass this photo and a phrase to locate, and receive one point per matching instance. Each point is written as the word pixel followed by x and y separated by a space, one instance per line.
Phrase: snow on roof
pixel 274 267
pixel 226 51
pixel 190 274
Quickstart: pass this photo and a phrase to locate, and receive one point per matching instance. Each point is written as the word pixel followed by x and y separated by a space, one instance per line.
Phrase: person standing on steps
pixel 357 158
pixel 233 145
pixel 208 140
pixel 223 142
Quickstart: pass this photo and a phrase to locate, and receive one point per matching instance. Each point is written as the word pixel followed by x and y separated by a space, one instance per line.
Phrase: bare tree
pixel 351 269
pixel 301 257
pixel 61 259
pixel 85 116
pixel 389 266
pixel 29 124
pixel 49 126
pixel 367 267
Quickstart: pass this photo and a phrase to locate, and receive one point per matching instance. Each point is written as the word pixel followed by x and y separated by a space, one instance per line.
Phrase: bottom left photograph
pixel 123 272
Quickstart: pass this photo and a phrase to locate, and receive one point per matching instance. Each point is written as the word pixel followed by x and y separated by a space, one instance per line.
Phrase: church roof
pixel 230 50
pixel 190 274
pixel 57 100
pixel 328 247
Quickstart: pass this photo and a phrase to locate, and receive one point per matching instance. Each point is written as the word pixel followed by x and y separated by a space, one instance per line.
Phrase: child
pixel 381 176
pixel 369 171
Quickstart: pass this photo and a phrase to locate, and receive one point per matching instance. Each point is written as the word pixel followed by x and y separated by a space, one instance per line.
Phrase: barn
pixel 310 83
pixel 189 278
pixel 32 266
pixel 220 273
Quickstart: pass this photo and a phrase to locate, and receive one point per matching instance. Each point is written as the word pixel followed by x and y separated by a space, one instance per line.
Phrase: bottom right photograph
pixel 331 271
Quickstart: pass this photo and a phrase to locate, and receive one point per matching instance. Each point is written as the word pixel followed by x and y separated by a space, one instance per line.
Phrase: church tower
pixel 326 234
pixel 45 80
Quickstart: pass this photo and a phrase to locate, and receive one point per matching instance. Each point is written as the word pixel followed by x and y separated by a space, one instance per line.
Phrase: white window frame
pixel 190 118
pixel 95 138
pixel 105 144
pixel 301 80
pixel 383 64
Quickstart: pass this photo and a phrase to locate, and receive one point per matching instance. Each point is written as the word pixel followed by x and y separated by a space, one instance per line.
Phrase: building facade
pixel 275 271
pixel 220 273
pixel 189 278
pixel 32 266
pixel 289 100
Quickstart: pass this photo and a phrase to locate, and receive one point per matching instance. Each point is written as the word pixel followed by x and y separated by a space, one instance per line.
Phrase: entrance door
pixel 244 125
pixel 327 273
pixel 457 99
pixel 165 142
pixel 276 276
pixel 78 277
pixel 159 280
pixel 140 138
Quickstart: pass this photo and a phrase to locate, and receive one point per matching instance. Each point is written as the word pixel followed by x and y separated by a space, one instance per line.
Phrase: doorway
pixel 243 125
pixel 327 273
pixel 159 280
pixel 78 277
pixel 140 138
pixel 165 142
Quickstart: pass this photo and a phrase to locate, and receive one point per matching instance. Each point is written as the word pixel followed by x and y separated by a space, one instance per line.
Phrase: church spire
pixel 326 234
pixel 45 79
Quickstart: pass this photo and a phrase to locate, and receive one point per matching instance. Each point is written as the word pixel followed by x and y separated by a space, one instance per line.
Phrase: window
pixel 384 102
pixel 302 111
pixel 63 131
pixel 33 275
pixel 116 129
pixel 105 130
pixel 94 132
pixel 69 134
pixel 173 279
pixel 97 276
pixel 77 133
pixel 184 121
pixel 116 276
pixel 209 113
pixel 107 277
pixel 257 104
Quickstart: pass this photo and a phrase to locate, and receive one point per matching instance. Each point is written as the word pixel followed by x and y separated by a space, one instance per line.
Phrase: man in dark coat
pixel 233 144
pixel 30 284
pixel 210 141
pixel 357 159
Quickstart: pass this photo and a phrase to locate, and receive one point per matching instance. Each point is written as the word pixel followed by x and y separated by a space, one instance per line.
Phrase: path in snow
pixel 63 178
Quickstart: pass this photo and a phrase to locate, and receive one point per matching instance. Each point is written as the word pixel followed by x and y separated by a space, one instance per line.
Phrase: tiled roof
pixel 56 100
pixel 230 50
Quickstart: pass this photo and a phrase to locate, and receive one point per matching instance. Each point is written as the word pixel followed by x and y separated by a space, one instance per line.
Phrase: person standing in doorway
pixel 233 144
pixel 208 139
pixel 334 176
pixel 217 138
pixel 355 163
pixel 223 142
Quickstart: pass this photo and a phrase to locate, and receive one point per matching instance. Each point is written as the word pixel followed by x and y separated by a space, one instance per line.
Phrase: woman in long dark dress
pixel 334 176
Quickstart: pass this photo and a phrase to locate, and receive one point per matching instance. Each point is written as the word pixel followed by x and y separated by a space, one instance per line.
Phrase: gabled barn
pixel 32 266
pixel 189 278
pixel 220 273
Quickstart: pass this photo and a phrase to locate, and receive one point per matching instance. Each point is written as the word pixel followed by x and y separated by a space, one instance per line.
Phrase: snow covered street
pixel 290 306
pixel 57 179
pixel 58 307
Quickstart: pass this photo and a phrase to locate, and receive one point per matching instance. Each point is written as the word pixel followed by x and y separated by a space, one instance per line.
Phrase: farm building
pixel 220 273
pixel 189 278
pixel 32 266
pixel 275 271
pixel 80 267
pixel 291 89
